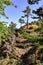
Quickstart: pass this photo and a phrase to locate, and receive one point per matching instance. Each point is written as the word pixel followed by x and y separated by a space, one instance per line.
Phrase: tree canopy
pixel 38 12
pixel 3 30
pixel 21 21
pixel 33 1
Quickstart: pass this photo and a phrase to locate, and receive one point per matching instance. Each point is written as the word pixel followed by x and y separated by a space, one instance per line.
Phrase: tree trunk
pixel 27 21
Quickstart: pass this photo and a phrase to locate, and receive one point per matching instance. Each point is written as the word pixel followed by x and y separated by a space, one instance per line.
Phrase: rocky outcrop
pixel 19 51
pixel 7 46
pixel 19 48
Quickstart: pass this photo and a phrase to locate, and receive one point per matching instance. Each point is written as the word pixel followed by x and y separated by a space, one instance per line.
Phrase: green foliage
pixel 41 46
pixel 40 29
pixel 37 30
pixel 21 21
pixel 31 37
pixel 42 26
pixel 27 10
pixel 3 28
pixel 39 12
pixel 40 64
pixel 5 32
pixel 35 22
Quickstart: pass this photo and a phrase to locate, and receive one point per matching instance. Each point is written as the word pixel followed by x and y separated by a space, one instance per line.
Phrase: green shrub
pixel 37 30
pixel 41 64
pixel 32 38
pixel 5 32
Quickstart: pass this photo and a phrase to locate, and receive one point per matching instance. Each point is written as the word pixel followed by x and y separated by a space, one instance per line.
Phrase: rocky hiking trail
pixel 22 50
pixel 26 51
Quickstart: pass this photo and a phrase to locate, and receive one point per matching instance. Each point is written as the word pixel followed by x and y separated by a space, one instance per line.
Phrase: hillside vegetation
pixel 23 46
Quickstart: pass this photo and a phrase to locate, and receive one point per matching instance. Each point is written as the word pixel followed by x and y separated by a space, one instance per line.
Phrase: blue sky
pixel 15 13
